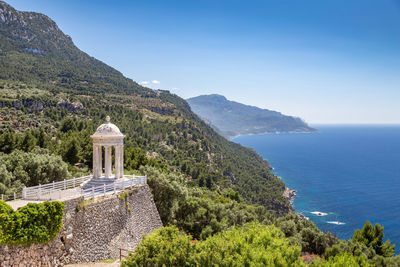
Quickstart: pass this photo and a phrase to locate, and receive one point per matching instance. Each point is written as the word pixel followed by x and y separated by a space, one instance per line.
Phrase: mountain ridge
pixel 231 118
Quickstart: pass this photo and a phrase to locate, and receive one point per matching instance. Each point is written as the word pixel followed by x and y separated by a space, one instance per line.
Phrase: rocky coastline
pixel 289 194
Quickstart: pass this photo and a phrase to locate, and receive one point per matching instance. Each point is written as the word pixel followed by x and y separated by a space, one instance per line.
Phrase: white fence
pixel 58 190
pixel 14 196
pixel 43 192
pixel 49 191
pixel 108 189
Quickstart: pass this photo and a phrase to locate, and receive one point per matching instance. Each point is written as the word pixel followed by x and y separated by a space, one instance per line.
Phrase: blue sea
pixel 351 173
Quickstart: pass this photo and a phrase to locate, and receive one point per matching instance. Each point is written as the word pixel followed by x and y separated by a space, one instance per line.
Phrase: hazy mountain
pixel 231 118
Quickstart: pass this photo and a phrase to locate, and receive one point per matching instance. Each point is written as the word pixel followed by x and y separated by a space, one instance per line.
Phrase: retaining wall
pixel 92 231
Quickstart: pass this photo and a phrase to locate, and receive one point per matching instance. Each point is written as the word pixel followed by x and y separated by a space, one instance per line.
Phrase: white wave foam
pixel 336 222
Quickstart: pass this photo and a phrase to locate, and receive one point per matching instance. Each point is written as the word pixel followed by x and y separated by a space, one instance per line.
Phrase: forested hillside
pixel 49 87
pixel 53 97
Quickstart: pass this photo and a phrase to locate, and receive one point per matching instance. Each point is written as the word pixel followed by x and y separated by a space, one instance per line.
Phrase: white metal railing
pixel 13 196
pixel 108 189
pixel 45 191
pixel 56 190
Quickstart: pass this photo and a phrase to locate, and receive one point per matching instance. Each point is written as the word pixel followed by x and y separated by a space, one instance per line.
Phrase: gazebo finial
pixel 108 119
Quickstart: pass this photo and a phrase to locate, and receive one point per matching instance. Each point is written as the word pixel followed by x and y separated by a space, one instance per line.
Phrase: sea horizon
pixel 353 124
pixel 315 125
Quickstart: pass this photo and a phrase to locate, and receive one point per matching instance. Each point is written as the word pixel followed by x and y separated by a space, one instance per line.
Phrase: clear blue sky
pixel 327 61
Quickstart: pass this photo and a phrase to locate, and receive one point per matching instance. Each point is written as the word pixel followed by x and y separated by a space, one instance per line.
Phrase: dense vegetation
pixel 203 215
pixel 244 246
pixel 20 169
pixel 47 83
pixel 201 212
pixel 31 224
pixel 196 210
pixel 253 244
pixel 52 98
pixel 232 118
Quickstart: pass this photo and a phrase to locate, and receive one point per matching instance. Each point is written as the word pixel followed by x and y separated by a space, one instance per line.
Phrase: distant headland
pixel 232 118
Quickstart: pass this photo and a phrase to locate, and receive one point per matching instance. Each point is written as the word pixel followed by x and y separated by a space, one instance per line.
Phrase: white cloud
pixel 144 83
pixel 155 82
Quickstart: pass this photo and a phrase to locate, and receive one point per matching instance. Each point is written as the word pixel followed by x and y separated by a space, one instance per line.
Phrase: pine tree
pixel 67 124
pixel 71 153
pixel 8 142
pixel 41 139
pixel 372 236
pixel 28 142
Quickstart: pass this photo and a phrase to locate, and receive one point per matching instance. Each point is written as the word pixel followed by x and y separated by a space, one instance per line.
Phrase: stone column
pixel 121 160
pixel 95 161
pixel 99 161
pixel 107 162
pixel 117 162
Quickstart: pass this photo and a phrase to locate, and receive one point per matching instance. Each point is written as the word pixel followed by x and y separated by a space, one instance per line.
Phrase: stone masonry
pixel 92 231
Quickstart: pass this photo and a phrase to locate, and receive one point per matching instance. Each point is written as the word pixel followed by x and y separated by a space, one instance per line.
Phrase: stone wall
pixel 92 231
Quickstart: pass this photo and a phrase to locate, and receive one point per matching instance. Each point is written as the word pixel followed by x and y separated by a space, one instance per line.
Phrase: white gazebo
pixel 108 135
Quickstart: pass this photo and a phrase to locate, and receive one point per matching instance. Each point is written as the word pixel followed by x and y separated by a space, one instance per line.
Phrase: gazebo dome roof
pixel 107 130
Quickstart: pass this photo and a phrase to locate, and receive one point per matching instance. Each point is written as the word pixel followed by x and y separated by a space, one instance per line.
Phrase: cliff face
pixel 92 231
pixel 37 31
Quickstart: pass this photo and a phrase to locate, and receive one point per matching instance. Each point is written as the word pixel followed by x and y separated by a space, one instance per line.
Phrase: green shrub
pixel 306 234
pixel 385 261
pixel 34 223
pixel 168 190
pixel 253 244
pixel 342 260
pixel 164 247
pixel 123 195
pixel 249 245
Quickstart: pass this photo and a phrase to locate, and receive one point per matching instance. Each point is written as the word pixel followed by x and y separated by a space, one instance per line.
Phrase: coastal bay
pixel 343 175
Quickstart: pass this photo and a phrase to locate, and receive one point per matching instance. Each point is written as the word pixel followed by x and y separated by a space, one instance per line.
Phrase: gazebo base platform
pixel 96 182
